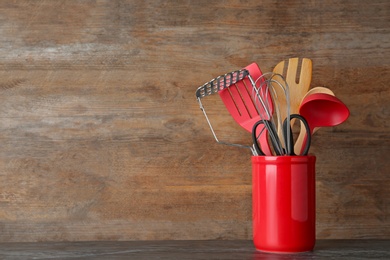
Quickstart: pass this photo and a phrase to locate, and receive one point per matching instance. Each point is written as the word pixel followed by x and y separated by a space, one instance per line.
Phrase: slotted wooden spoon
pixel 297 88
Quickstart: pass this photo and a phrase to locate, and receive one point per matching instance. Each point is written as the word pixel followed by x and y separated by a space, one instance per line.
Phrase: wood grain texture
pixel 101 137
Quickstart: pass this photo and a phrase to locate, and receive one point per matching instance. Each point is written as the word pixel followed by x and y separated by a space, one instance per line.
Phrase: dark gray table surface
pixel 208 249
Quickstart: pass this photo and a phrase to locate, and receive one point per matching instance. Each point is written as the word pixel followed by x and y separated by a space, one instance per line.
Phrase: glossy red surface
pixel 321 110
pixel 283 203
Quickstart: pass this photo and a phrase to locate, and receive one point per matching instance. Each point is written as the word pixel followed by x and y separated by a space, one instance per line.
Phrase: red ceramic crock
pixel 283 203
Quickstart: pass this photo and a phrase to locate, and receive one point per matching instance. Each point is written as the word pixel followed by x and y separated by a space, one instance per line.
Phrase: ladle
pixel 321 110
pixel 299 143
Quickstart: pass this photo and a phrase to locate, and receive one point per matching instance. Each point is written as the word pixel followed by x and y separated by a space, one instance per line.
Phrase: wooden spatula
pixel 297 87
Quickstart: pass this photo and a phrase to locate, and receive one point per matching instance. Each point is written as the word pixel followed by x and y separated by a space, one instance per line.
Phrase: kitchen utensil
pixel 266 88
pixel 297 88
pixel 299 141
pixel 240 102
pixel 278 81
pixel 303 123
pixel 237 99
pixel 214 86
pixel 289 141
pixel 318 90
pixel 269 127
pixel 247 105
pixel 321 110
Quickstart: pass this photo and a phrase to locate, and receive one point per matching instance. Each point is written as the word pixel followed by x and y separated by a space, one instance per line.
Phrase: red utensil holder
pixel 283 203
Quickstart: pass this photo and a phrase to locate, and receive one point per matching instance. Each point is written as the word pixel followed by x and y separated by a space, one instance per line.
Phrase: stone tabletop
pixel 212 249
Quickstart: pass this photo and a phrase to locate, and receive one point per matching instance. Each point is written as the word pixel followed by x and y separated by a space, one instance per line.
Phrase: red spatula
pixel 243 105
pixel 238 92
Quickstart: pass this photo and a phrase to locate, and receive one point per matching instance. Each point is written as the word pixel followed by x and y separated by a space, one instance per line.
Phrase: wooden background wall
pixel 101 137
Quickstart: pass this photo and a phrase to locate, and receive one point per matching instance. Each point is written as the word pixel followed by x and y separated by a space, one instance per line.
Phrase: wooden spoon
pixel 301 136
